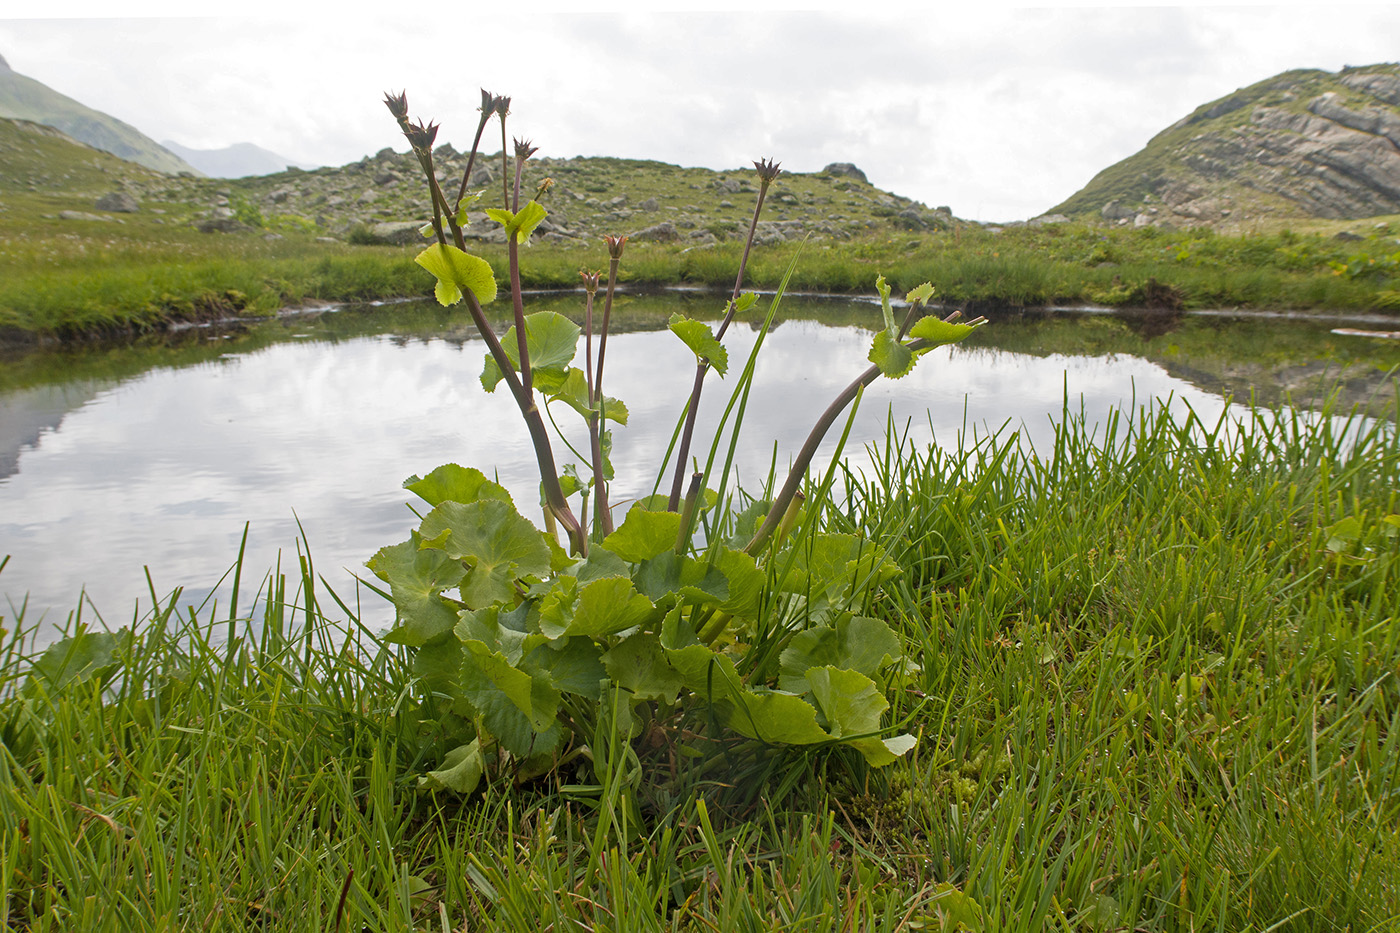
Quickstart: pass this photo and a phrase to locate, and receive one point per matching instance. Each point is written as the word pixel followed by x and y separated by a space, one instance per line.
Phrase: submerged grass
pixel 1156 691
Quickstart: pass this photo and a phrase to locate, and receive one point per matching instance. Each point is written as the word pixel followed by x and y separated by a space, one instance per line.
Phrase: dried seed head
pixel 615 245
pixel 398 105
pixel 488 102
pixel 523 149
pixel 590 281
pixel 421 135
pixel 503 106
pixel 767 171
pixel 543 189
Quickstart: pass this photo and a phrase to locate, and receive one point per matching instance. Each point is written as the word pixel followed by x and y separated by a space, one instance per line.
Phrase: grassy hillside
pixel 24 98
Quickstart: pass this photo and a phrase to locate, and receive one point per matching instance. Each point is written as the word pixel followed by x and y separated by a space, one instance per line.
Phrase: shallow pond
pixel 155 455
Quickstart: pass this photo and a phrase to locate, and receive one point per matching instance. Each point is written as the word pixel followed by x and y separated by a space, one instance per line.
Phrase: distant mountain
pixel 237 161
pixel 26 99
pixel 1305 143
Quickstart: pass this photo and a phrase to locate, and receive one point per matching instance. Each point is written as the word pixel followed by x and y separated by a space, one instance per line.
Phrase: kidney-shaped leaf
pixel 456 270
pixel 552 340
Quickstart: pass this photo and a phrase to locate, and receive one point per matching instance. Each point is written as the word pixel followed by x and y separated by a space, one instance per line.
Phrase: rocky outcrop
pixel 848 170
pixel 1304 143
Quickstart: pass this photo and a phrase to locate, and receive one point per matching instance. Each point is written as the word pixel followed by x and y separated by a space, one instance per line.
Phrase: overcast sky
pixel 998 111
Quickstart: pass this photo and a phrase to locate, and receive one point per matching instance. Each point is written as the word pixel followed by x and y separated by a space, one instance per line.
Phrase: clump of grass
pixel 1156 690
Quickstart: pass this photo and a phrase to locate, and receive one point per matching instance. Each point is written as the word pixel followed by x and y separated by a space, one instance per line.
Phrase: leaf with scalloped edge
pixel 597 610
pixel 894 358
pixel 417 579
pixel 638 663
pixel 852 706
pixel 644 534
pixel 856 643
pixel 497 542
pixel 454 483
pixel 456 270
pixel 921 294
pixel 698 336
pixel 746 301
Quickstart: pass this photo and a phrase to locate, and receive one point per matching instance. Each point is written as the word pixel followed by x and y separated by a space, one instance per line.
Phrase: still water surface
pixel 124 459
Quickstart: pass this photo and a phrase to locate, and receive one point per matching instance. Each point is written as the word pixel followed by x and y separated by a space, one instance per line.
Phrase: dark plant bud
pixel 523 149
pixel 503 106
pixel 590 281
pixel 767 171
pixel 488 102
pixel 615 245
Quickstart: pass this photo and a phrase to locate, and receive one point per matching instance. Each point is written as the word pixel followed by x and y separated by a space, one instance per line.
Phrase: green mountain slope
pixel 26 99
pixel 1302 144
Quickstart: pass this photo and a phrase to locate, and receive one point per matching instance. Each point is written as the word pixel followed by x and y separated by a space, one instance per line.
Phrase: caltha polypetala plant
pixel 705 618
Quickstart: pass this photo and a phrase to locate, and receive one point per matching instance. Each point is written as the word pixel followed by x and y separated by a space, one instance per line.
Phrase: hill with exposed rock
pixel 1302 144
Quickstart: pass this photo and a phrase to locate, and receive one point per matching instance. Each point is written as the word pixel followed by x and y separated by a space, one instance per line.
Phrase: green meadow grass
pixel 1156 690
pixel 57 283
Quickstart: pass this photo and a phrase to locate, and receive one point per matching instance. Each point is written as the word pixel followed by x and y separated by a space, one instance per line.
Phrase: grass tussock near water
pixel 1156 690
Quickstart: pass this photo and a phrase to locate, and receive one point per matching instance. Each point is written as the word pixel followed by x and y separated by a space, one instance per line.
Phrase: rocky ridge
pixel 1305 143
pixel 383 199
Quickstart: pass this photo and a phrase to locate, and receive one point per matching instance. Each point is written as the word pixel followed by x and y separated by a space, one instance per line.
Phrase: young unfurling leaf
pixel 920 295
pixel 883 288
pixel 519 224
pixel 940 333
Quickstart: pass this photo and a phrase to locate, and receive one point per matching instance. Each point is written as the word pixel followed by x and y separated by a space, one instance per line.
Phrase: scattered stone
pixel 220 225
pixel 664 232
pixel 80 215
pixel 650 204
pixel 397 232
pixel 118 202
pixel 1045 219
pixel 1115 210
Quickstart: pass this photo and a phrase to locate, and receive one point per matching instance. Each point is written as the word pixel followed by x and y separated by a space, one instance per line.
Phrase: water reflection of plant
pixel 701 608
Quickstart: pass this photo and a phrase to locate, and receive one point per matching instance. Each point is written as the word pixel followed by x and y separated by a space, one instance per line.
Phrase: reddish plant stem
pixel 702 368
pixel 557 504
pixel 602 507
pixel 809 450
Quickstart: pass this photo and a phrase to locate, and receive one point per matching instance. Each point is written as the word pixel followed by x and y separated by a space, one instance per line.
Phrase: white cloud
pixel 998 111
